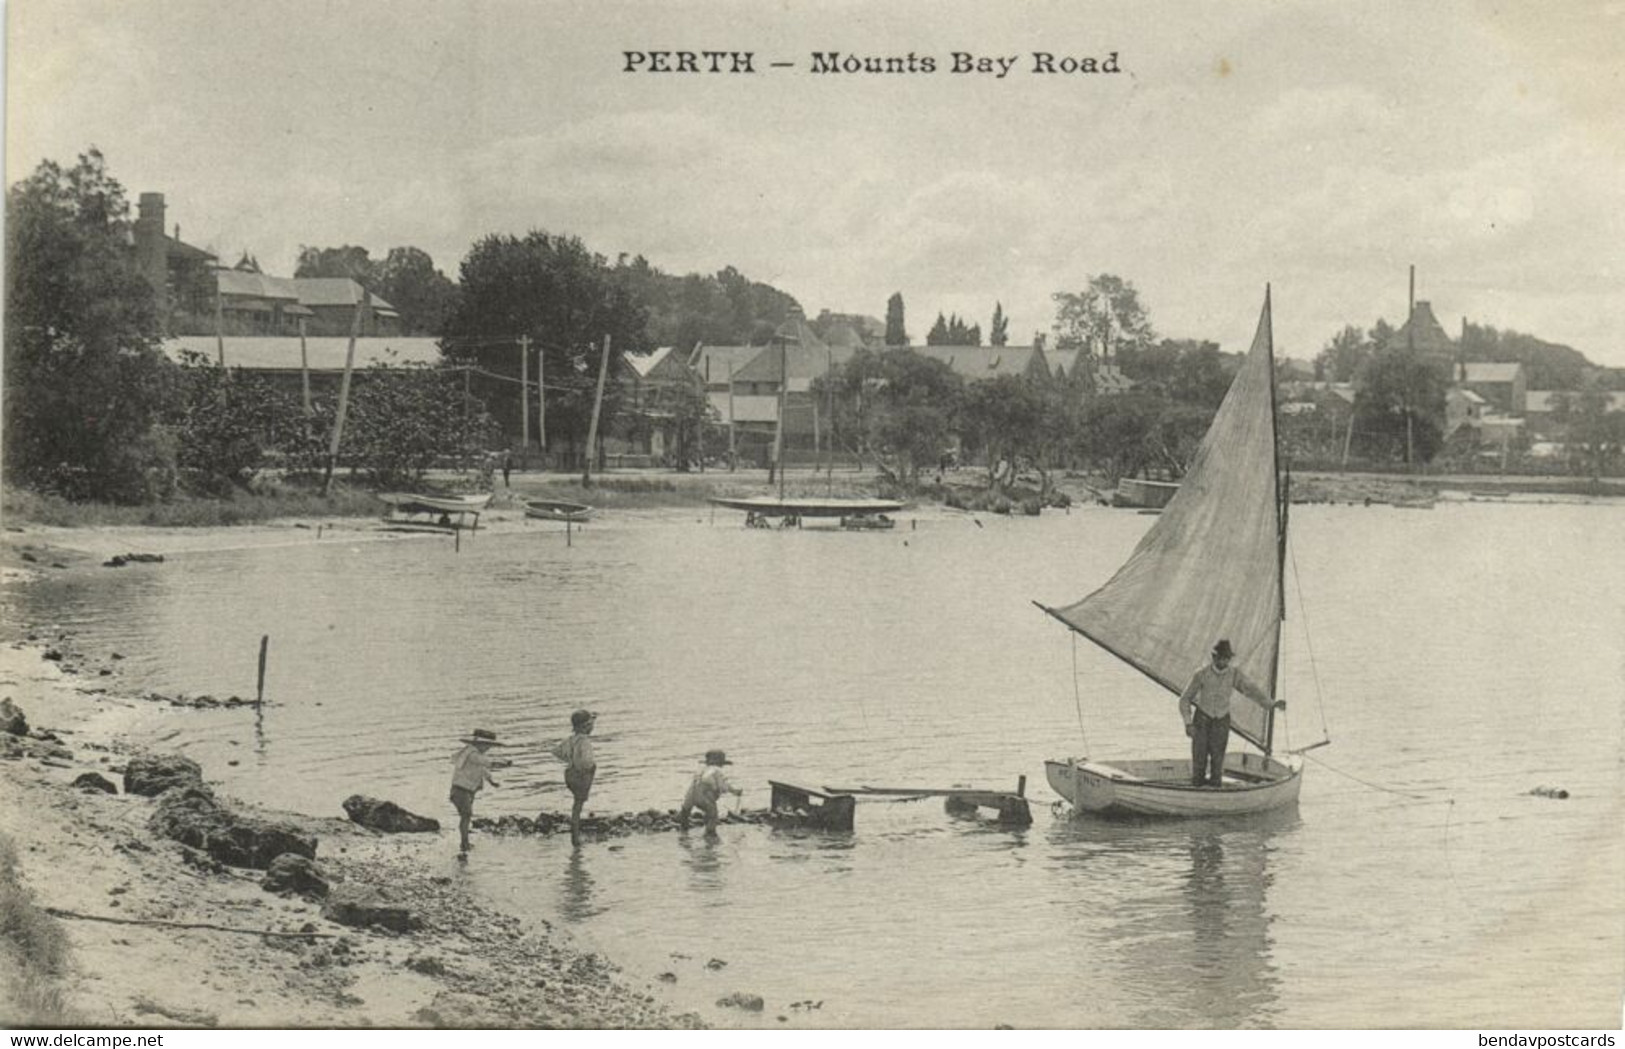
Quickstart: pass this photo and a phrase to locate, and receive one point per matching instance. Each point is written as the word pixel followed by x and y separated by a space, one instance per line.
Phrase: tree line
pixel 93 408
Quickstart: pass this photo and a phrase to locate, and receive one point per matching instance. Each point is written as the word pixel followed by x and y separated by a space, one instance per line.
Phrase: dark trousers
pixel 1209 738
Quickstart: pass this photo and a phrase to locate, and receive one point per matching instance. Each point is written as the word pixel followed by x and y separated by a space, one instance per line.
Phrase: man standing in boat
pixel 1205 706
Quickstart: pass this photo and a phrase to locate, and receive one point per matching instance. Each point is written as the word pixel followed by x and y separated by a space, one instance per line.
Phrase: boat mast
pixel 1281 494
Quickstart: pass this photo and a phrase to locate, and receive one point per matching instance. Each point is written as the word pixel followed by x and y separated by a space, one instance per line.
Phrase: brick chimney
pixel 151 252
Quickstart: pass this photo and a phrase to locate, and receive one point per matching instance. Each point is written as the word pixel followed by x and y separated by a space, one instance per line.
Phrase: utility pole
pixel 541 406
pixel 524 394
pixel 344 391
pixel 732 457
pixel 219 322
pixel 597 404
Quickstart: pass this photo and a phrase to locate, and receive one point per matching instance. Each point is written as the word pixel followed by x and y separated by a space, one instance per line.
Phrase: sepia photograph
pixel 813 516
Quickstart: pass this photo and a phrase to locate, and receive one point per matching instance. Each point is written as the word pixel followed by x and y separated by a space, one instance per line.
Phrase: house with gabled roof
pixel 1502 384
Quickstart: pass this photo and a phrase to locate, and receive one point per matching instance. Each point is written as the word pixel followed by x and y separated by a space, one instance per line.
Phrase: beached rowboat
pixel 558 510
pixel 423 510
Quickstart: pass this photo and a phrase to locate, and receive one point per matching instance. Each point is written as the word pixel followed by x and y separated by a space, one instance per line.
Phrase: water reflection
pixel 576 904
pixel 1188 916
pixel 702 858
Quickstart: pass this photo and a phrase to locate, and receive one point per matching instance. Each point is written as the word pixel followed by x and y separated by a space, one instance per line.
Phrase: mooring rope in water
pixel 1374 786
pixel 1077 696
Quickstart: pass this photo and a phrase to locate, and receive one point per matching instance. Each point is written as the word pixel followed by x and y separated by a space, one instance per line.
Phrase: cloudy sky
pixel 1322 147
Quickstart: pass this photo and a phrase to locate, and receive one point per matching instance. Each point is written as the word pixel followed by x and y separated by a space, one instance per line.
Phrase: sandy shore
pixel 133 904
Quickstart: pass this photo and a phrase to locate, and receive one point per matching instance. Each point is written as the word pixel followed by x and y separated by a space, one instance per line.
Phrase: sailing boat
pixel 1210 567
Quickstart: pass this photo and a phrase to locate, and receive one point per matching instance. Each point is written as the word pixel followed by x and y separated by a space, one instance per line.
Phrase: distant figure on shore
pixel 507 468
pixel 1205 706
pixel 708 785
pixel 471 770
pixel 579 766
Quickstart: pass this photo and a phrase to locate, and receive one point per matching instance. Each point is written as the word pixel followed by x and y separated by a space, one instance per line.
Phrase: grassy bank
pixel 33 953
pixel 22 507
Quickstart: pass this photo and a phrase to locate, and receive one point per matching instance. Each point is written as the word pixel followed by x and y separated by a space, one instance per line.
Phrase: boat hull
pixel 416 503
pixel 1161 788
pixel 1139 492
pixel 559 511
pixel 764 506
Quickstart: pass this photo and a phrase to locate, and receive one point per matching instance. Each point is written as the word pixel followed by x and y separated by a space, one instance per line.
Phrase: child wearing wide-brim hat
pixel 471 770
pixel 708 785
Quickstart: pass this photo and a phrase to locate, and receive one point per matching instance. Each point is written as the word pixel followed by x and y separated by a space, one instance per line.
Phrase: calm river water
pixel 1457 658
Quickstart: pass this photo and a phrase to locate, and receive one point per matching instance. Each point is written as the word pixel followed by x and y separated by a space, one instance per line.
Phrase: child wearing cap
pixel 579 766
pixel 708 785
pixel 471 770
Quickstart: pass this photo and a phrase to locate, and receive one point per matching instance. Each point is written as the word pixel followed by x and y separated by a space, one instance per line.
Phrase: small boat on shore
pixel 421 510
pixel 848 510
pixel 559 510
pixel 1144 492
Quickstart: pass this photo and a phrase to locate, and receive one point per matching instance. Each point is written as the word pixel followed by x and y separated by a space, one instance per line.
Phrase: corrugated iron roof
pixel 255 285
pixel 711 363
pixel 324 353
pixel 1488 371
pixel 986 362
pixel 800 364
pixel 334 291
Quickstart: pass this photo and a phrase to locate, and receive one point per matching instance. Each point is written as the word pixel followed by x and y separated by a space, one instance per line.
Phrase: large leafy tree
pixel 1594 436
pixel 1108 311
pixel 1015 422
pixel 229 423
pixel 758 309
pixel 407 279
pixel 566 300
pixel 1344 355
pixel 1141 433
pixel 84 378
pixel 348 261
pixel 403 420
pixel 1399 410
pixel 895 407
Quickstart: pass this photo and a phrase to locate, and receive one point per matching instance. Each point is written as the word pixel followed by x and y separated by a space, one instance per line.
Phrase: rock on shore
pixel 94 855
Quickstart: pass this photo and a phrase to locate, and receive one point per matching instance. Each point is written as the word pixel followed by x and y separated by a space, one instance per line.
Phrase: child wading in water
pixel 471 770
pixel 709 784
pixel 579 766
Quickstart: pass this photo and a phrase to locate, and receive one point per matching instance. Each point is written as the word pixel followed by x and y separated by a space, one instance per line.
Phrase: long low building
pixel 322 353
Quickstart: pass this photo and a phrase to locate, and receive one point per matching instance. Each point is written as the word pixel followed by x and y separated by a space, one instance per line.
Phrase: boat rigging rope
pixel 1309 646
pixel 1077 696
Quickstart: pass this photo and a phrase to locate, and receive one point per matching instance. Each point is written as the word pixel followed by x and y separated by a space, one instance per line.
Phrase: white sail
pixel 1209 568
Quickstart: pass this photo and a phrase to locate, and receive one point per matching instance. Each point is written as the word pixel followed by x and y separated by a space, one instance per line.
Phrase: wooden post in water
pixel 259 695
